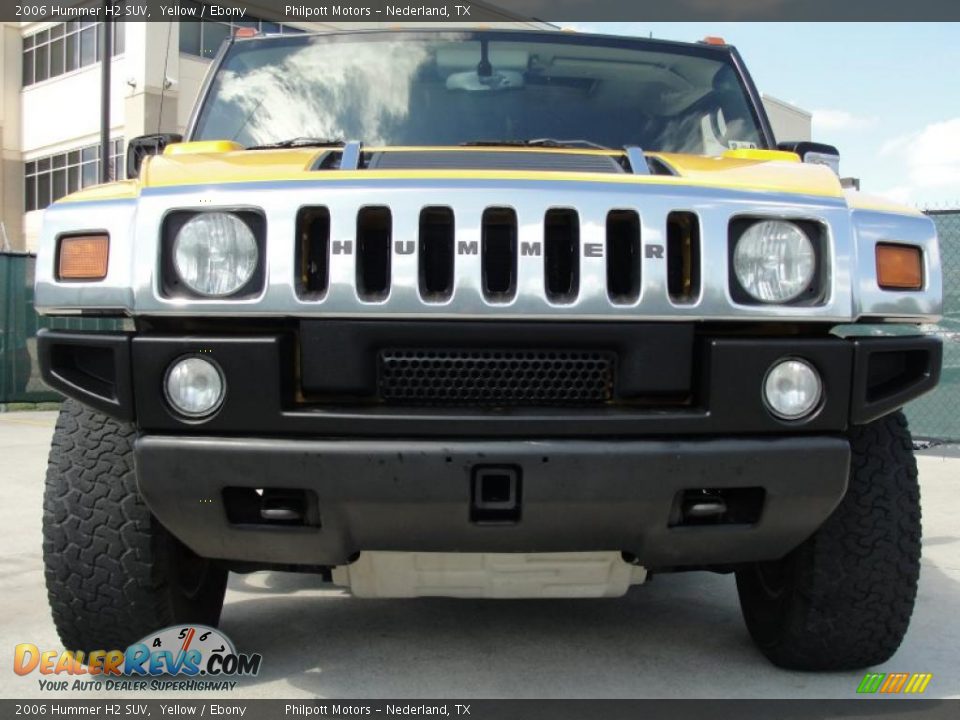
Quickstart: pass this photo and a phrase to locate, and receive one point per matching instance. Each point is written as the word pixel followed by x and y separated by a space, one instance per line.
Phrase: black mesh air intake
pixel 495 377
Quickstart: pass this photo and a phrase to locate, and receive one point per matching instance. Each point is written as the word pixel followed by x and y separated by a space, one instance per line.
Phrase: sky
pixel 886 94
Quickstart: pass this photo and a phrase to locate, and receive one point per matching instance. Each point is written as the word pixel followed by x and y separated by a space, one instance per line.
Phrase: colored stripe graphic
pixel 870 683
pixel 918 682
pixel 893 683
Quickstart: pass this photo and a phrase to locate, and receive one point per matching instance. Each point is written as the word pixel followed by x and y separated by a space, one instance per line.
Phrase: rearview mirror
pixel 473 81
pixel 814 153
pixel 140 147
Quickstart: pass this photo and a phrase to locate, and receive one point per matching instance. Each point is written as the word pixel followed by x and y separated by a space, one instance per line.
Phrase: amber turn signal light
pixel 899 267
pixel 83 257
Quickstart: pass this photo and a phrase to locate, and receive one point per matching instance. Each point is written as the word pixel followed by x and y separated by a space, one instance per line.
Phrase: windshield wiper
pixel 300 142
pixel 537 142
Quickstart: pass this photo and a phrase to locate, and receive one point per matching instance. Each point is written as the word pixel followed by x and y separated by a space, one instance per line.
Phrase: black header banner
pixel 440 11
pixel 306 709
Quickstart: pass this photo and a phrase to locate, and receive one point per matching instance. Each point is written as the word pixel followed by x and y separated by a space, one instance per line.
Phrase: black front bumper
pixel 416 495
pixel 298 421
pixel 319 379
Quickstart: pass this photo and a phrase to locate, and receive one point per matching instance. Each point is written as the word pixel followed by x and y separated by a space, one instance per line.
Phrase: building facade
pixel 789 122
pixel 50 101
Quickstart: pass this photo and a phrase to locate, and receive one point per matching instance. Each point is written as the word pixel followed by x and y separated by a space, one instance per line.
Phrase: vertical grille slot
pixel 561 255
pixel 623 256
pixel 436 253
pixel 313 252
pixel 683 257
pixel 373 253
pixel 498 254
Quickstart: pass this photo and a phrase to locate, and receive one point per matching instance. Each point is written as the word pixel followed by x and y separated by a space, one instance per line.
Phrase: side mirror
pixel 814 153
pixel 140 147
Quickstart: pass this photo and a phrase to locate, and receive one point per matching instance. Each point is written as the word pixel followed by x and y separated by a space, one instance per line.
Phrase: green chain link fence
pixel 935 416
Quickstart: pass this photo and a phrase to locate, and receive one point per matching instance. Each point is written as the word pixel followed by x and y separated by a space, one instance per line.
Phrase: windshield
pixel 408 88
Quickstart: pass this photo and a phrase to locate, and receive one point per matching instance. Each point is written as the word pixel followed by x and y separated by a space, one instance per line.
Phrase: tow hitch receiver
pixel 495 494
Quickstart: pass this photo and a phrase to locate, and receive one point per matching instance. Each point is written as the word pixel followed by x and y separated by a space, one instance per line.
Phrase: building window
pixel 204 38
pixel 65 47
pixel 48 179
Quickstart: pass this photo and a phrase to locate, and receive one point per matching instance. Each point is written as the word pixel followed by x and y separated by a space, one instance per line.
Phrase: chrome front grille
pixel 603 250
pixel 603 253
pixel 553 260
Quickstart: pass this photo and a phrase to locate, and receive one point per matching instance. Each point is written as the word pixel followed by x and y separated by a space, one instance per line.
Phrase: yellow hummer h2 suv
pixel 487 314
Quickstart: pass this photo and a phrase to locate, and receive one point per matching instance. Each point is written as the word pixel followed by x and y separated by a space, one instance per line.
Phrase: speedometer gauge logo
pixel 188 650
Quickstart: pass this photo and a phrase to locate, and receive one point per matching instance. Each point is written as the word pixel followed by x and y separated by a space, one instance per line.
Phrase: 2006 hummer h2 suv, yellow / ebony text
pixel 487 313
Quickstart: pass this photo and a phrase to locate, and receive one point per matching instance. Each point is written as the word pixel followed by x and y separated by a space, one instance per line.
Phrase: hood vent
pixel 548 161
pixel 492 160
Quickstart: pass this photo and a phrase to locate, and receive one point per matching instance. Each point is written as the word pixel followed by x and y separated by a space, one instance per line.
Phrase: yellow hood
pixel 216 163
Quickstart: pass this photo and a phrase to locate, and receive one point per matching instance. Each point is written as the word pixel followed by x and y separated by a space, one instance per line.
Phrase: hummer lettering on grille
pixel 593 250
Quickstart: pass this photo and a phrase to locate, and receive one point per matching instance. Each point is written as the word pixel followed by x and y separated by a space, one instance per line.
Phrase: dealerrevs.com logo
pixel 191 657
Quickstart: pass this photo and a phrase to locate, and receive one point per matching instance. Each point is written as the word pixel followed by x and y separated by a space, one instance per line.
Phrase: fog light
pixel 792 389
pixel 194 387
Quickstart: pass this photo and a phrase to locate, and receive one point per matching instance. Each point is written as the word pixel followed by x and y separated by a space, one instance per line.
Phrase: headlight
pixel 215 254
pixel 774 261
pixel 194 387
pixel 792 389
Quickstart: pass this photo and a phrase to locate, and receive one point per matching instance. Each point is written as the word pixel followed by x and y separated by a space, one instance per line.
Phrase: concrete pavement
pixel 678 636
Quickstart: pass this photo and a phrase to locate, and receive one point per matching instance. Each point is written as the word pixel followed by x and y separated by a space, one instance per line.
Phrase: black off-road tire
pixel 113 573
pixel 843 599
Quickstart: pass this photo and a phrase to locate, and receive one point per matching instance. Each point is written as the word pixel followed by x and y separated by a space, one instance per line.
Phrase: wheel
pixel 843 599
pixel 113 572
